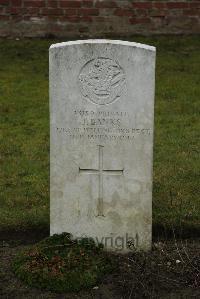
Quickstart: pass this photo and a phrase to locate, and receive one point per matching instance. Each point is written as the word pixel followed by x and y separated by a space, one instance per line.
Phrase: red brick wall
pixel 97 18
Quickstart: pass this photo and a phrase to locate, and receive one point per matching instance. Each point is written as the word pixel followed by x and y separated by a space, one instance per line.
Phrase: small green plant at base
pixel 61 264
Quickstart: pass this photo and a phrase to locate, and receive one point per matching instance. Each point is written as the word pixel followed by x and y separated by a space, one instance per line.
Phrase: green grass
pixel 24 144
pixel 60 264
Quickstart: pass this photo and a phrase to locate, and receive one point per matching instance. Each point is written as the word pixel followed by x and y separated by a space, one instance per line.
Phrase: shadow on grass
pixel 162 232
pixel 25 237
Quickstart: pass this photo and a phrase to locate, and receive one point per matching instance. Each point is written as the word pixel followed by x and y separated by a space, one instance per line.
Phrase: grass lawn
pixel 24 139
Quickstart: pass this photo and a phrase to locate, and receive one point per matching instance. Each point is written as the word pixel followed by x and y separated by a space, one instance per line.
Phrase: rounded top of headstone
pixel 104 41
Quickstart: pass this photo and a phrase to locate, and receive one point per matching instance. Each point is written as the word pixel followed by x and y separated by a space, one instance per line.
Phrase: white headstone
pixel 102 107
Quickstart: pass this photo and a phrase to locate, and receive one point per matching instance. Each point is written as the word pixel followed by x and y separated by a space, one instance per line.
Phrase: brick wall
pixel 97 18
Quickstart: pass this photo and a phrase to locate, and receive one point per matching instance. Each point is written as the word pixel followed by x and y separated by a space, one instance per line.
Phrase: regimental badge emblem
pixel 102 81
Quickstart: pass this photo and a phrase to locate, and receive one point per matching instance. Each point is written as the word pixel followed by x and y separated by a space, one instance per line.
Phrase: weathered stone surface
pixel 102 106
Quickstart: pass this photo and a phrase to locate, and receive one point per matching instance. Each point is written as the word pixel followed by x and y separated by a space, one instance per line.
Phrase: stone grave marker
pixel 101 141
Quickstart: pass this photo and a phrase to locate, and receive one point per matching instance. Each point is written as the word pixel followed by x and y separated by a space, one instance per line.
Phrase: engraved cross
pixel 101 172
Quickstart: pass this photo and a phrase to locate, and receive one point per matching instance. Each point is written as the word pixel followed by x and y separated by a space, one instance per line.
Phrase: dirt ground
pixel 171 270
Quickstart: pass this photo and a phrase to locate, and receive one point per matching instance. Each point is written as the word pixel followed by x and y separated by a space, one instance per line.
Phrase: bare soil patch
pixel 170 270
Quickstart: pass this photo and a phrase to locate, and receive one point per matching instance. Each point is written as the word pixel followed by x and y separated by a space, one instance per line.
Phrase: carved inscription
pixel 103 126
pixel 101 80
